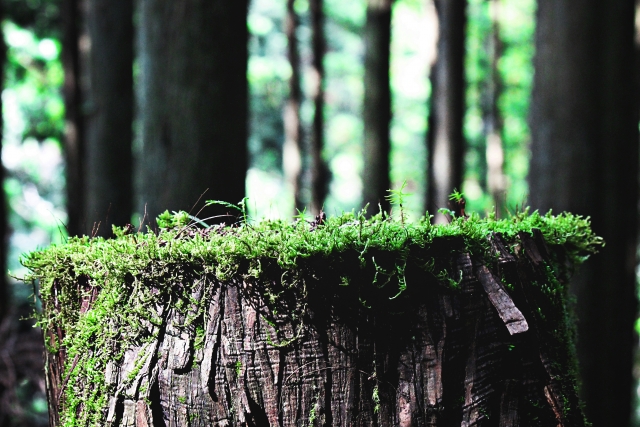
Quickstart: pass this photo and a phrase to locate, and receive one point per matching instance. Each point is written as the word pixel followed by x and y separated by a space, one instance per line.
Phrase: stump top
pixel 240 248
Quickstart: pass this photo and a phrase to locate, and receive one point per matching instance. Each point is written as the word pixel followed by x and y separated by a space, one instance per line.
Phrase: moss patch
pixel 101 292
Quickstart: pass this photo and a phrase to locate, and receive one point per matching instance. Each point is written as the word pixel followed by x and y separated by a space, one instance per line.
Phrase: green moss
pixel 134 272
pixel 312 416
pixel 376 399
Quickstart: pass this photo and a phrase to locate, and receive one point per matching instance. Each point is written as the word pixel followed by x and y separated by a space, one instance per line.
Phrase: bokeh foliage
pixel 516 25
pixel 33 109
pixel 33 116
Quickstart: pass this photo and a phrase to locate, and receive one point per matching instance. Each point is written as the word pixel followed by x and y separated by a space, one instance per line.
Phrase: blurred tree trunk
pixel 4 225
pixel 109 123
pixel 377 105
pixel 496 181
pixel 193 103
pixel 5 293
pixel 445 137
pixel 293 150
pixel 320 174
pixel 584 127
pixel 74 122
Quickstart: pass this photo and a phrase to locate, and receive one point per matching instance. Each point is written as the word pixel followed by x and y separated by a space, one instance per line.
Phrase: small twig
pixel 144 217
pixel 94 230
pixel 196 203
pixel 66 379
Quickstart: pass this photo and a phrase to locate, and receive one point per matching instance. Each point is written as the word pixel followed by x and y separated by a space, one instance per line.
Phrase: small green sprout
pixel 397 197
pixel 456 196
pixel 241 207
pixel 457 204
pixel 301 216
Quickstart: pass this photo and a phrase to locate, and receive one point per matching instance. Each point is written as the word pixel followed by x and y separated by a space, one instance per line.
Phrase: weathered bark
pixel 445 137
pixel 320 173
pixel 109 120
pixel 293 148
pixel 495 351
pixel 74 121
pixel 193 103
pixel 377 105
pixel 584 158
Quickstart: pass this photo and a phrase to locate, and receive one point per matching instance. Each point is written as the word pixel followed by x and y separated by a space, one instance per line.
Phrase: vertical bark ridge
pixel 478 357
pixel 281 364
pixel 328 380
pixel 434 336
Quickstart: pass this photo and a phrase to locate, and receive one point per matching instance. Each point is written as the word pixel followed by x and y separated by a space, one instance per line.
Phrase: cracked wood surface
pixel 479 355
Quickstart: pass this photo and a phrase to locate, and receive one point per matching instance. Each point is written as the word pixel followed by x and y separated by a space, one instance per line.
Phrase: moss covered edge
pixel 122 277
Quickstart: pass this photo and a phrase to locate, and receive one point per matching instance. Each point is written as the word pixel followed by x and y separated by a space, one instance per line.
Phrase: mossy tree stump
pixel 343 322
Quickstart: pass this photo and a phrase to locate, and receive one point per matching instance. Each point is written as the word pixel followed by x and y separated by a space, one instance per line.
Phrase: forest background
pixel 112 113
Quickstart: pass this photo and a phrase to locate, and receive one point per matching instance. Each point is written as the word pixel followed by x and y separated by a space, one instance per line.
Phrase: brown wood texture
pixel 490 352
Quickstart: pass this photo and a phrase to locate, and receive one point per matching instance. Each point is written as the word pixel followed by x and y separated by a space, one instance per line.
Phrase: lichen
pixel 100 291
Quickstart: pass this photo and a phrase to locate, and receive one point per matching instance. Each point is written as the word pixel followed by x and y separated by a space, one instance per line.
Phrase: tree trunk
pixel 496 180
pixel 584 127
pixel 4 225
pixel 192 103
pixel 74 121
pixel 293 148
pixel 331 350
pixel 109 123
pixel 445 137
pixel 377 105
pixel 320 173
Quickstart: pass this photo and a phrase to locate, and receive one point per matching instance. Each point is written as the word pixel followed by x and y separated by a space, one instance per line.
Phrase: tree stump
pixel 348 322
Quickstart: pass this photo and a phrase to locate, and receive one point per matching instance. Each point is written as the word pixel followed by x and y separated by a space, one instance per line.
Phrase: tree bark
pixel 584 127
pixel 192 103
pixel 74 120
pixel 320 173
pixel 109 122
pixel 485 353
pixel 377 105
pixel 293 148
pixel 445 137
